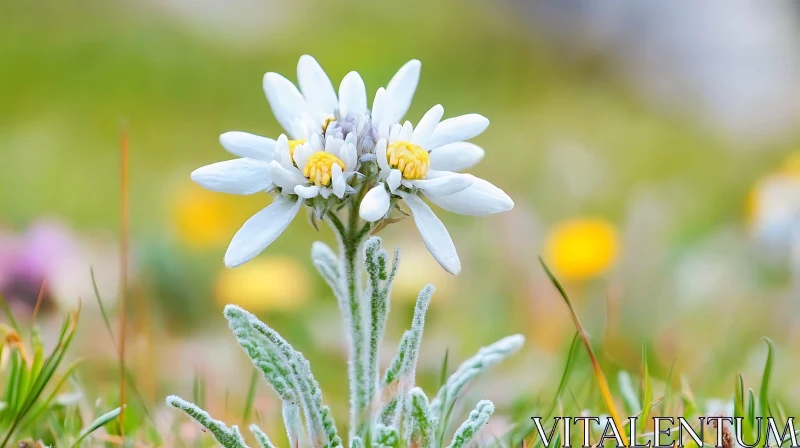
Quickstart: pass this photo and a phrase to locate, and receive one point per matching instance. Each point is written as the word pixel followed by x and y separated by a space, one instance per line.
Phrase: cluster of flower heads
pixel 335 146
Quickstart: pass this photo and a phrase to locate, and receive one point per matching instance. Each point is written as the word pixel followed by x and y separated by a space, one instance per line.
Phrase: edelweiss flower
pixel 332 137
pixel 424 160
pixel 315 105
pixel 297 170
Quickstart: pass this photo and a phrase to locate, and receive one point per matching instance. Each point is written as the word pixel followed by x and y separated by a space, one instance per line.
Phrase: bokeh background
pixel 651 149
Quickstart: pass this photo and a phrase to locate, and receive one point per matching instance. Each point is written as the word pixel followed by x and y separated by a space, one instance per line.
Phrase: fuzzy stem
pixel 351 238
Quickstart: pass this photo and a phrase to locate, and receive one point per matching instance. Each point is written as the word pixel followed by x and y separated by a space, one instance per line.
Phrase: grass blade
pixel 647 391
pixel 565 375
pixel 110 331
pixel 251 396
pixel 668 389
pixel 41 405
pixel 43 377
pixel 101 421
pixel 124 240
pixel 598 372
pixel 7 310
pixel 763 395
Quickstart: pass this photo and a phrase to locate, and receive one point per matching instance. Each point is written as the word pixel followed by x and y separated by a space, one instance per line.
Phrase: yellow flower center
pixel 319 168
pixel 410 159
pixel 293 144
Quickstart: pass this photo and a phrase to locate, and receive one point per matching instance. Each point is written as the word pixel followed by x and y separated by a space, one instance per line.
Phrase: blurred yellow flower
pixel 791 166
pixel 203 218
pixel 275 282
pixel 581 248
pixel 760 195
pixel 773 203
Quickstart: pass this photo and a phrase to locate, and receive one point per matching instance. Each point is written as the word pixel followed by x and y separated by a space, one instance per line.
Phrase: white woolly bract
pixel 293 422
pixel 385 436
pixel 422 423
pixel 477 418
pixel 327 263
pixel 261 437
pixel 400 376
pixel 379 285
pixel 226 437
pixel 244 326
pixel 469 369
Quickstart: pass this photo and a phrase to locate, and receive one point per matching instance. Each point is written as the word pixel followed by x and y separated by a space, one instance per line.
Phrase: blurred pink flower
pixel 50 253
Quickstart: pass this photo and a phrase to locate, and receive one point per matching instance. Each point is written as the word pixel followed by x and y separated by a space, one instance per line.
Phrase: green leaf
pixel 23 403
pixel 739 406
pixel 100 422
pixel 763 395
pixel 738 397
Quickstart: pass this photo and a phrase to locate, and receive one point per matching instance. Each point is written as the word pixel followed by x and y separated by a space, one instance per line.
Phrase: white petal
pixel 301 155
pixel 306 191
pixel 316 86
pixel 383 130
pixel 352 95
pixel 237 176
pixel 427 124
pixel 287 104
pixel 248 145
pixel 433 232
pixel 394 179
pixel 281 146
pixel 333 145
pixel 350 158
pixel 456 129
pixel 443 185
pixel 316 143
pixel 456 156
pixel 406 132
pixel 394 132
pixel 379 105
pixel 380 154
pixel 481 198
pixel 375 204
pixel 286 178
pixel 261 230
pixel 337 181
pixel 400 91
pixel 348 155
